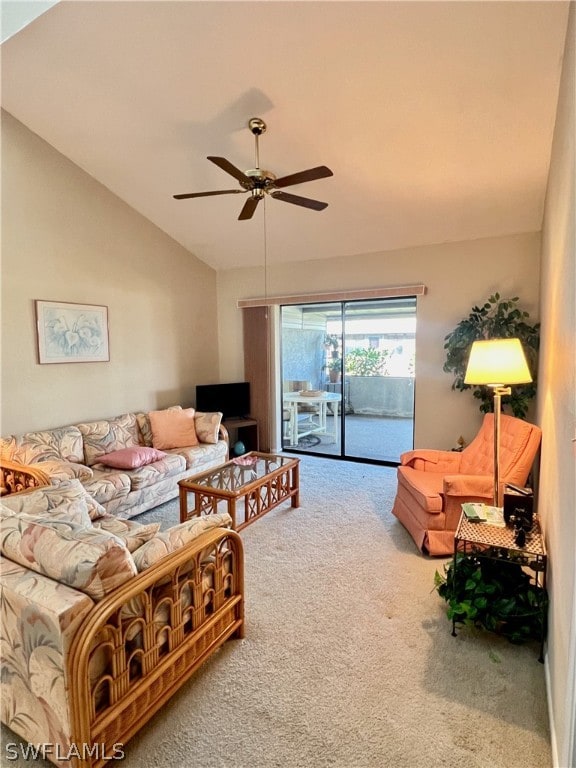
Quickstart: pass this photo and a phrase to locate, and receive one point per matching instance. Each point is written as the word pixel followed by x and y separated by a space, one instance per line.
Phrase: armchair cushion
pixel 427 460
pixel 425 486
pixel 469 485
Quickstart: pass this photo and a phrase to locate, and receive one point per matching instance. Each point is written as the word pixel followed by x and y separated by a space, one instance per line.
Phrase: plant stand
pixel 489 544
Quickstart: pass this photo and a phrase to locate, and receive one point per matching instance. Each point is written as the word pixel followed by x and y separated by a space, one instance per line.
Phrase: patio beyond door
pixel 348 378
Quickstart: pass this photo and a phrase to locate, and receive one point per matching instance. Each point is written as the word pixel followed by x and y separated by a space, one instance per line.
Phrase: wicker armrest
pixel 21 477
pixel 223 435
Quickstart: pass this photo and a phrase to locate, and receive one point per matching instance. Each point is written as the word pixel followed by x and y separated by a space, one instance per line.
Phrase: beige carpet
pixel 348 659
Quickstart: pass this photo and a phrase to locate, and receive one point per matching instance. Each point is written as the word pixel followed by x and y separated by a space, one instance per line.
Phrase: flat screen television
pixel 233 400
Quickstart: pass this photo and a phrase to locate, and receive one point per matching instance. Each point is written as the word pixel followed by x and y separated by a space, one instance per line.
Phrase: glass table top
pixel 240 472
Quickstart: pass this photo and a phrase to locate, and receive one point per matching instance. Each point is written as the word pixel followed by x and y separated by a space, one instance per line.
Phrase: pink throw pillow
pixel 173 429
pixel 131 458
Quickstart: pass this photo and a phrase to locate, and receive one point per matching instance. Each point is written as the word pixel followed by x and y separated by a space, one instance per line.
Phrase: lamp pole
pixel 498 392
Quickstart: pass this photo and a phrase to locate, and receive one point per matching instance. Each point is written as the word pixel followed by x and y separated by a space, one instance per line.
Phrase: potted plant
pixel 496 319
pixel 334 369
pixel 494 594
pixel 331 342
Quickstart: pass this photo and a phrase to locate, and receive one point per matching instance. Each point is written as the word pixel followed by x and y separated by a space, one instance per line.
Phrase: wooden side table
pixel 245 430
pixel 495 543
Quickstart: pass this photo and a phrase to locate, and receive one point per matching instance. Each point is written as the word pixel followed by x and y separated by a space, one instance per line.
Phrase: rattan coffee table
pixel 263 480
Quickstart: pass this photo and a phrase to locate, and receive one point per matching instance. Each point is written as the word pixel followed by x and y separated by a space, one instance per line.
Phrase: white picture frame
pixel 71 333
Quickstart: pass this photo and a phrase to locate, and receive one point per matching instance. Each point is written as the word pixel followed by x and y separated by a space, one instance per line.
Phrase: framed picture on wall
pixel 72 333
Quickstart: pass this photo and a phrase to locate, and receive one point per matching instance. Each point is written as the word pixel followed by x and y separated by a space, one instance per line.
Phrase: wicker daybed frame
pixel 142 680
pixel 153 631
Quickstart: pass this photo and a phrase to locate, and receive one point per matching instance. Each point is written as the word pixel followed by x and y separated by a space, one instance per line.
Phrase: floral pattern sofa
pixel 77 451
pixel 103 619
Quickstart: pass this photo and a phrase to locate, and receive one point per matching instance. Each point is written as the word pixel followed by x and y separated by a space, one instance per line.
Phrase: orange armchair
pixel 432 485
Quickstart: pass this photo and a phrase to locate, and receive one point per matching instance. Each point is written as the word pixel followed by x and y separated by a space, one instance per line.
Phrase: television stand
pixel 245 430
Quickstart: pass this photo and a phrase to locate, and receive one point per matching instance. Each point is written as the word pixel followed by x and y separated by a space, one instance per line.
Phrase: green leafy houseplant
pixel 496 595
pixel 335 364
pixel 331 340
pixel 334 369
pixel 496 319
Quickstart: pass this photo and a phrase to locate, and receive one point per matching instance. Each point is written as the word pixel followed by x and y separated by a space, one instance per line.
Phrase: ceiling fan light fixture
pixel 258 181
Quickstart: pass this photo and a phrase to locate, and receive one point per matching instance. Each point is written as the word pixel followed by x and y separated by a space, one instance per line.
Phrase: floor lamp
pixel 497 363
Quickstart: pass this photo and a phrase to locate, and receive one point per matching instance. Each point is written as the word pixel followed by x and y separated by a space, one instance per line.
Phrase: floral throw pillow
pixel 49 497
pixel 92 561
pixel 132 534
pixel 176 537
pixel 207 426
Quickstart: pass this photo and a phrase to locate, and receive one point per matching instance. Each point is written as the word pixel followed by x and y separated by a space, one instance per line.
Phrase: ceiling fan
pixel 260 182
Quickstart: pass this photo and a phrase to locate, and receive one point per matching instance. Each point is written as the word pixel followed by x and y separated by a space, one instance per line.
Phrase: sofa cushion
pixel 108 484
pixel 64 470
pixel 131 458
pixel 131 533
pixel 207 426
pixel 72 510
pixel 174 538
pixel 62 443
pixel 197 456
pixel 170 466
pixel 85 558
pixel 101 437
pixel 173 429
pixel 49 497
pixel 144 424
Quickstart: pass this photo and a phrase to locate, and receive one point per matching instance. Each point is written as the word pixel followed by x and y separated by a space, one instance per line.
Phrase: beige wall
pixel 457 276
pixel 66 237
pixel 557 413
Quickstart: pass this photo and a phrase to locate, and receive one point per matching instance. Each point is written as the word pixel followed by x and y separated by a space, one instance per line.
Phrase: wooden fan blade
pixel 207 194
pixel 227 166
pixel 305 202
pixel 248 208
pixel 320 172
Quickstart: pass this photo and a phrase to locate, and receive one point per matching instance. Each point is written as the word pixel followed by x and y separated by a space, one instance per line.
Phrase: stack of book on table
pixel 478 512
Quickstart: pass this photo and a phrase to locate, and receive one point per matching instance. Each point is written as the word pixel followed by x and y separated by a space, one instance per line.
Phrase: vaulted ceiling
pixel 436 118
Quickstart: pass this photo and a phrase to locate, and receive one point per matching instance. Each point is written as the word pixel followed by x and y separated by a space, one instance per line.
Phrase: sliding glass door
pixel 348 378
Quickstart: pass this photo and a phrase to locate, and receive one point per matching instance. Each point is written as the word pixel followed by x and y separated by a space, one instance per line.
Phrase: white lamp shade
pixel 497 363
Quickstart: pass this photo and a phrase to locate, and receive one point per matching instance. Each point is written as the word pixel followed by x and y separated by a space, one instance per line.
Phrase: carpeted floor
pixel 348 659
